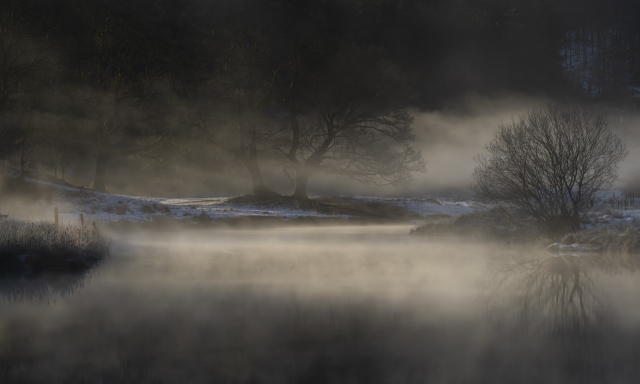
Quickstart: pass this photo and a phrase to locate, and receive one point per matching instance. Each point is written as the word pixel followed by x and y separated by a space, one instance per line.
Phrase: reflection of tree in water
pixel 43 288
pixel 550 312
pixel 547 296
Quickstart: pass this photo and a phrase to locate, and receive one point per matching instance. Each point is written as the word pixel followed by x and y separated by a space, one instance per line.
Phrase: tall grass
pixel 42 246
pixel 623 238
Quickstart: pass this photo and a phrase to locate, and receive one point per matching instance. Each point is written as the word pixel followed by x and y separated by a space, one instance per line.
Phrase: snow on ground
pixel 99 206
pixel 425 206
pixel 610 208
pixel 106 207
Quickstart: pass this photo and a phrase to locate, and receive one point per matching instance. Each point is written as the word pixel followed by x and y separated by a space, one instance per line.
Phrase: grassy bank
pixel 43 247
pixel 621 238
pixel 491 224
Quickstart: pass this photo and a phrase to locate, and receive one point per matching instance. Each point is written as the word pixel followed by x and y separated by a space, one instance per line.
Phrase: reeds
pixel 622 238
pixel 43 246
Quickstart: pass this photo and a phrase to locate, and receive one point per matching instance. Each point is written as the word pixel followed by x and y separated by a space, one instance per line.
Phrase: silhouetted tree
pixel 245 78
pixel 549 164
pixel 352 122
pixel 119 59
pixel 26 63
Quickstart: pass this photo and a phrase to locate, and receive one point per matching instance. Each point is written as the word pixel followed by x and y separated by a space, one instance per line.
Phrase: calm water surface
pixel 324 305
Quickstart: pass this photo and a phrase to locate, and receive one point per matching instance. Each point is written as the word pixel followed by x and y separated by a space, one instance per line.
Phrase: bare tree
pixel 549 164
pixel 25 49
pixel 245 81
pixel 120 69
pixel 225 90
pixel 26 64
pixel 351 122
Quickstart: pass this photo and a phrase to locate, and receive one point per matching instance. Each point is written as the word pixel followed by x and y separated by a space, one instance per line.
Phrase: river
pixel 361 304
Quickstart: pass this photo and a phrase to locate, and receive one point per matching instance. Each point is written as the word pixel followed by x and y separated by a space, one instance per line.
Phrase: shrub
pixel 550 164
pixel 42 246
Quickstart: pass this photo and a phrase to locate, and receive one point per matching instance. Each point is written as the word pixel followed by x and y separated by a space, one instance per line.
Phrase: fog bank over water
pixel 327 304
pixel 449 139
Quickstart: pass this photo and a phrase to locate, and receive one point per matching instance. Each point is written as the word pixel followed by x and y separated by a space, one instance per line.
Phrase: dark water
pixel 324 305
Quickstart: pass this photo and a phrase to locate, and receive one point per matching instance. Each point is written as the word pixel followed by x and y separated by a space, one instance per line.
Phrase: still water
pixel 324 305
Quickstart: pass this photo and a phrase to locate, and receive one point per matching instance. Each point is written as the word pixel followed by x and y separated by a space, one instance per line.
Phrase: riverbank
pixel 34 197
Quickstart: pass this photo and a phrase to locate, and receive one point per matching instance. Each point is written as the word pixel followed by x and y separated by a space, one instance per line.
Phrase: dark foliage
pixel 43 247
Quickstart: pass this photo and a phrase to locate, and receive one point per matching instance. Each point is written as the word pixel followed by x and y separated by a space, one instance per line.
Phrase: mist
pixel 170 120
pixel 323 191
pixel 285 305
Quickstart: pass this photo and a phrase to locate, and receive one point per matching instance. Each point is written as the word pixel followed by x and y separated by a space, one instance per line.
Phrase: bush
pixel 550 164
pixel 42 246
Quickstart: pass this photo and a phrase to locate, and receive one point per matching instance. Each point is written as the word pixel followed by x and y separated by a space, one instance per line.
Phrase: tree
pixel 63 134
pixel 549 164
pixel 601 46
pixel 244 78
pixel 225 86
pixel 26 62
pixel 349 119
pixel 25 48
pixel 118 60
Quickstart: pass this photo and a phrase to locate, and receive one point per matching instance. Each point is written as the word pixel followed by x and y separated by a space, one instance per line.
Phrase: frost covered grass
pixel 619 238
pixel 34 198
pixel 43 247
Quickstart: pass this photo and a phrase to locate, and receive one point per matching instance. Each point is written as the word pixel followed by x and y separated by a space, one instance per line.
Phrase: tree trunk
pixel 251 162
pixel 258 183
pixel 558 226
pixel 295 137
pixel 101 171
pixel 256 177
pixel 302 179
pixel 23 160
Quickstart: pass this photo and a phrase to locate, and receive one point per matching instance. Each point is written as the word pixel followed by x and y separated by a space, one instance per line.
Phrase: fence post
pixel 55 214
pixel 81 220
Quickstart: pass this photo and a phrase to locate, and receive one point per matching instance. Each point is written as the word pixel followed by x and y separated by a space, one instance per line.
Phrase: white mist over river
pixel 359 304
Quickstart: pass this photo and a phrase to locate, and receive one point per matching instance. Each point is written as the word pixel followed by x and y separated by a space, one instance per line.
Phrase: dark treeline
pixel 601 46
pixel 178 89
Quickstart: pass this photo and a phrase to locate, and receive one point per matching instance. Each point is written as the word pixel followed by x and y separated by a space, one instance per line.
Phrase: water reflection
pixel 331 307
pixel 552 312
pixel 546 296
pixel 42 288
